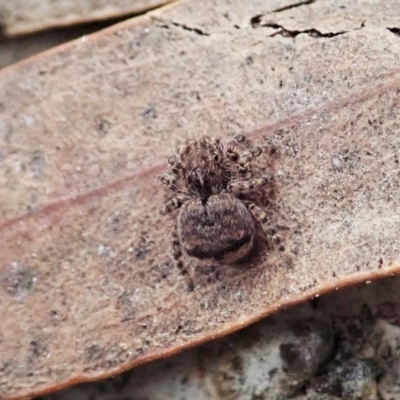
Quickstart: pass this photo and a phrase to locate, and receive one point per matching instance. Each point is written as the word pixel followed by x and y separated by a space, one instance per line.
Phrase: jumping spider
pixel 215 223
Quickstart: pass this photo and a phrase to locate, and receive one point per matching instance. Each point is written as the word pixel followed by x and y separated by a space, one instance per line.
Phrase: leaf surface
pixel 87 282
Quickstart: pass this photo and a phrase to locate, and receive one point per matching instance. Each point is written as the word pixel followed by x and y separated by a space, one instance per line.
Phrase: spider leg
pixel 178 258
pixel 170 181
pixel 266 224
pixel 245 159
pixel 232 146
pixel 239 187
pixel 173 203
pixel 175 165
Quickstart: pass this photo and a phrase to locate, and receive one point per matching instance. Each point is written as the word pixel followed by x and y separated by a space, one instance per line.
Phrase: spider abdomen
pixel 221 229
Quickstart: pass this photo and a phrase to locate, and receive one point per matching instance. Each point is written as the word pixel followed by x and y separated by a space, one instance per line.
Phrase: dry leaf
pixel 341 345
pixel 87 283
pixel 26 16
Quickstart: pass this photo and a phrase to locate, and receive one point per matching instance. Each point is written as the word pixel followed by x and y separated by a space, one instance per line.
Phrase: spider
pixel 214 223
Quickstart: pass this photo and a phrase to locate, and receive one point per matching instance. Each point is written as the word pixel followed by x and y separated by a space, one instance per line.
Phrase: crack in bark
pixel 395 31
pixel 256 20
pixel 190 29
pixel 167 25
pixel 290 6
pixel 293 33
pixel 282 31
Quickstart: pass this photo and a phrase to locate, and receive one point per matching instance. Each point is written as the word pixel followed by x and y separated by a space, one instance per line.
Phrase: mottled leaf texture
pixel 26 16
pixel 88 287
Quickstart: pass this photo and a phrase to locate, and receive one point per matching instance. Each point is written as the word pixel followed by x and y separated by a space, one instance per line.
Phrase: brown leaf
pixel 27 16
pixel 87 283
pixel 333 345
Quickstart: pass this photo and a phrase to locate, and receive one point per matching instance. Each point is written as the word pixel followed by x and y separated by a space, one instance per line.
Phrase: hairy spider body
pixel 220 229
pixel 214 222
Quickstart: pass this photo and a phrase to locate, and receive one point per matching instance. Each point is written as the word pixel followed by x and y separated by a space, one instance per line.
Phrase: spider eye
pixel 215 157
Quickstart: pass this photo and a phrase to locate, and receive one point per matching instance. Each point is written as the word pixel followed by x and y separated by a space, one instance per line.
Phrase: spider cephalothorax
pixel 204 169
pixel 214 223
